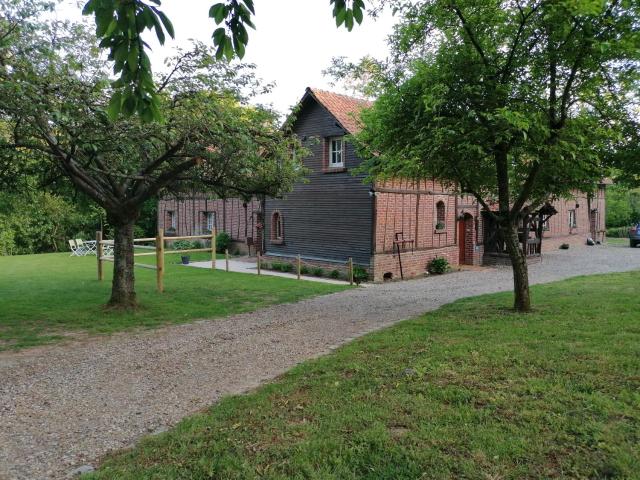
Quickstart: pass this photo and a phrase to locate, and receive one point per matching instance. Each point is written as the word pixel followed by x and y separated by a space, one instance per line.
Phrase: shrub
pixel 318 272
pixel 282 267
pixel 360 274
pixel 223 239
pixel 335 274
pixel 304 270
pixel 438 265
pixel 564 246
pixel 618 232
pixel 182 245
pixel 197 244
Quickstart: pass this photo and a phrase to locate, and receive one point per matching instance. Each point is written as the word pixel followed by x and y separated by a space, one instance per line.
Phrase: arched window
pixel 440 215
pixel 277 228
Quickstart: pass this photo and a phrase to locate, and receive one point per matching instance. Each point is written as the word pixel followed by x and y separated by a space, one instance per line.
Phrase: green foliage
pixel 223 240
pixel 360 274
pixel 305 270
pixel 317 272
pixel 43 222
pixel 282 267
pixel 623 206
pixel 182 245
pixel 335 274
pixel 438 266
pixel 470 391
pixel 618 232
pixel 120 25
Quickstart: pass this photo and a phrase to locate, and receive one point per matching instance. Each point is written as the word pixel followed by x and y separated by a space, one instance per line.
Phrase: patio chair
pixel 83 249
pixel 75 251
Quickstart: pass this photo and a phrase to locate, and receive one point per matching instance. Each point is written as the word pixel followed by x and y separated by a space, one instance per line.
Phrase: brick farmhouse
pixel 392 228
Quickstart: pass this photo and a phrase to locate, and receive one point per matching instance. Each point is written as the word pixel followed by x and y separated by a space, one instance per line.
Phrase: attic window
pixel 336 152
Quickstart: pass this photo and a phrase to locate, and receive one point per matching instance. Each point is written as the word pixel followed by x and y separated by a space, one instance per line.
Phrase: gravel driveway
pixel 65 406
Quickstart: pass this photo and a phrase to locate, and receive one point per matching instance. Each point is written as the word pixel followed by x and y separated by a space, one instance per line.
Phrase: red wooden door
pixel 462 230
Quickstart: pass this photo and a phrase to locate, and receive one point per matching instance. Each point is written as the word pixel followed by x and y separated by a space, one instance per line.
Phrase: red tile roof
pixel 346 109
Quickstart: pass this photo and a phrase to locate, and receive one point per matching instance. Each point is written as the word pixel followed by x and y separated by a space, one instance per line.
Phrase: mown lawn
pixel 470 391
pixel 46 298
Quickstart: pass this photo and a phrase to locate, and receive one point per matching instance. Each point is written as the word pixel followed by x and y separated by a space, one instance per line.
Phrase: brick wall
pixel 414 264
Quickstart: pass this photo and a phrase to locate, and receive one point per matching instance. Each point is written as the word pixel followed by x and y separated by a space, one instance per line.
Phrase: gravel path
pixel 67 405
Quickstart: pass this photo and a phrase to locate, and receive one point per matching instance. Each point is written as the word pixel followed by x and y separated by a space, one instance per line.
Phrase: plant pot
pixel 185 259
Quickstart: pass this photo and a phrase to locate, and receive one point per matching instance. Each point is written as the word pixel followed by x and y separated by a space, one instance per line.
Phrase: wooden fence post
pixel 213 249
pixel 99 252
pixel 259 262
pixel 160 260
pixel 350 271
pixel 226 259
pixel 299 266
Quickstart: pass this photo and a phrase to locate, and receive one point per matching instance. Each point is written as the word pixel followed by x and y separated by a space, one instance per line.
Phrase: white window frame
pixel 211 220
pixel 339 140
pixel 172 219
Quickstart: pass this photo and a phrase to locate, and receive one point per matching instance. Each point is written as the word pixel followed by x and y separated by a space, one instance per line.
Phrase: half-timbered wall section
pixel 577 217
pixel 408 230
pixel 194 216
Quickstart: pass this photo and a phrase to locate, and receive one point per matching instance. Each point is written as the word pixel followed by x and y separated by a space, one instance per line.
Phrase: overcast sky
pixel 293 42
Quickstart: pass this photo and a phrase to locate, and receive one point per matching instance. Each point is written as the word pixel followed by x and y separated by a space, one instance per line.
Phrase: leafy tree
pixel 120 26
pixel 513 101
pixel 55 95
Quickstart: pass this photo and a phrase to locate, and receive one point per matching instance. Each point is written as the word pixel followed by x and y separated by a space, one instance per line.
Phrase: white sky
pixel 293 42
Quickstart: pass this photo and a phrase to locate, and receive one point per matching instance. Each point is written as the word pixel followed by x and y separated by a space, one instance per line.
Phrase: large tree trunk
pixel 522 299
pixel 123 294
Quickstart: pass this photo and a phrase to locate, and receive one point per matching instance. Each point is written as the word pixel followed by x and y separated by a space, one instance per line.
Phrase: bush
pixel 438 266
pixel 335 274
pixel 304 270
pixel 360 274
pixel 197 244
pixel 282 267
pixel 618 232
pixel 318 272
pixel 182 245
pixel 223 240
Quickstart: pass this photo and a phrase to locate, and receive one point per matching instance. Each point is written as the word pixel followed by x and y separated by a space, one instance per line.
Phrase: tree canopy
pixel 55 95
pixel 515 101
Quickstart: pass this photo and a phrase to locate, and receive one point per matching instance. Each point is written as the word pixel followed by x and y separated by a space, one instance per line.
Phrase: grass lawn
pixel 469 391
pixel 44 298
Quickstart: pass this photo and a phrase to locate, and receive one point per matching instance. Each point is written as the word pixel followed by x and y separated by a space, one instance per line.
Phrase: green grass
pixel 470 391
pixel 47 298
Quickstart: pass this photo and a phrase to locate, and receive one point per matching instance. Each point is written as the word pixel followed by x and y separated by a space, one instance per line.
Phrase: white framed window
pixel 211 221
pixel 573 222
pixel 336 152
pixel 173 219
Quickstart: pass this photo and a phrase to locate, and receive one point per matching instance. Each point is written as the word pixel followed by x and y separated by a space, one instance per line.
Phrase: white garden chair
pixel 83 248
pixel 75 251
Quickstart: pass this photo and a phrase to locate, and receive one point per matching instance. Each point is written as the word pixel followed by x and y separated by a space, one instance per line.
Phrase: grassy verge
pixel 469 391
pixel 44 298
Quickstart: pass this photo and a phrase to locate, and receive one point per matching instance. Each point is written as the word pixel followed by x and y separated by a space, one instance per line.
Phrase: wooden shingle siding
pixel 330 217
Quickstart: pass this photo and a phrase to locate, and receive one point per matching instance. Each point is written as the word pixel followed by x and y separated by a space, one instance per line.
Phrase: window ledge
pixel 277 241
pixel 334 169
pixel 440 231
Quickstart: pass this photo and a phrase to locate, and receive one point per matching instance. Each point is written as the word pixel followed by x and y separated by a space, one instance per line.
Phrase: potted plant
pixel 440 226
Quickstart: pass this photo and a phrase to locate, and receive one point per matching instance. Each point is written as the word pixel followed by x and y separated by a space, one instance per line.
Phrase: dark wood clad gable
pixel 331 216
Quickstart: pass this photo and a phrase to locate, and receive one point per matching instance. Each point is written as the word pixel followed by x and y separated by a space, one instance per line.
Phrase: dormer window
pixel 336 152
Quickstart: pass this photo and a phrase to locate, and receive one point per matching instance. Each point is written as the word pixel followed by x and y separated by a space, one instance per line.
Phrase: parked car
pixel 634 236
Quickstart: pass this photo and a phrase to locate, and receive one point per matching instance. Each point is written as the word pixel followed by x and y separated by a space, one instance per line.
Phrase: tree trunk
pixel 123 294
pixel 522 299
